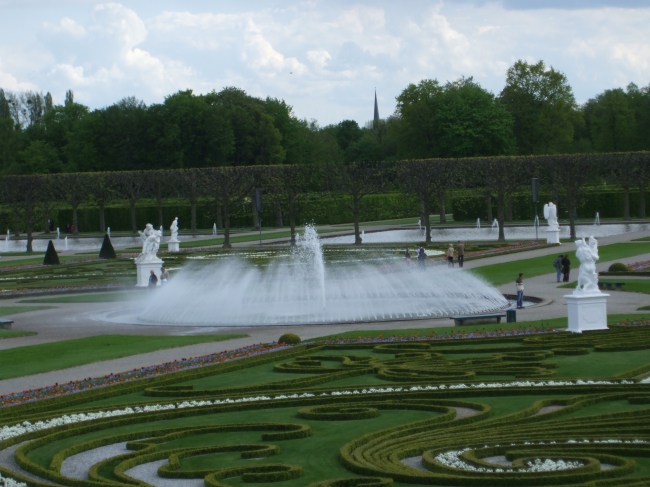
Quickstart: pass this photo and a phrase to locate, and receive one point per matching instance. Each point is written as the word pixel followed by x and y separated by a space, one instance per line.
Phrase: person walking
pixel 461 253
pixel 557 263
pixel 450 255
pixel 164 276
pixel 153 280
pixel 566 268
pixel 519 284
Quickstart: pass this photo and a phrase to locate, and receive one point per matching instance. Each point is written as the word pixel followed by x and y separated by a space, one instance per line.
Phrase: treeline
pixel 32 198
pixel 534 114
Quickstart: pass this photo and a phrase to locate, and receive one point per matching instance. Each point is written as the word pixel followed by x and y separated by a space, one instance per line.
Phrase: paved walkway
pixel 75 320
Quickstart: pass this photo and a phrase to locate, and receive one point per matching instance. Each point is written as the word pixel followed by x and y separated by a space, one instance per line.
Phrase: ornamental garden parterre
pixel 508 408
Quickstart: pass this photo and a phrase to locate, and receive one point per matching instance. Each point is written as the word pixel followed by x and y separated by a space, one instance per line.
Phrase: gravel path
pixel 8 461
pixel 465 412
pixel 499 460
pixel 77 466
pixel 148 472
pixel 548 409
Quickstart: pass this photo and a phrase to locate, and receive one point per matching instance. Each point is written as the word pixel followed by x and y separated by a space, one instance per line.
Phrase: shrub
pixel 618 267
pixel 107 251
pixel 289 339
pixel 51 257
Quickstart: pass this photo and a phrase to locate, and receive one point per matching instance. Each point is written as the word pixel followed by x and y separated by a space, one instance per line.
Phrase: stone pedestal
pixel 144 271
pixel 174 246
pixel 552 236
pixel 587 311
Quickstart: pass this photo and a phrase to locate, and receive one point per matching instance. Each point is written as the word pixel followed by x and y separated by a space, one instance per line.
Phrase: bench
pixel 611 285
pixel 477 319
pixel 6 324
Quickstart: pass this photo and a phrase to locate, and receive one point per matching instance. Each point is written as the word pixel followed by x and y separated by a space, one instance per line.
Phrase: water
pixel 597 220
pixel 73 243
pixel 495 223
pixel 487 234
pixel 478 223
pixel 302 286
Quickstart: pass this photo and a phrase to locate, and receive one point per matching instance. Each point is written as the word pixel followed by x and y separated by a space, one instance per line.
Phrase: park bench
pixel 6 324
pixel 478 319
pixel 611 285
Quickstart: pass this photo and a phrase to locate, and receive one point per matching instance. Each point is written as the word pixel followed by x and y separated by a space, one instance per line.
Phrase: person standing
pixel 566 268
pixel 557 263
pixel 461 253
pixel 164 276
pixel 519 284
pixel 450 255
pixel 153 280
pixel 421 257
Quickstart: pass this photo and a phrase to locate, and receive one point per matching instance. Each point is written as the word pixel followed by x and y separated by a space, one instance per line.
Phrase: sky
pixel 324 58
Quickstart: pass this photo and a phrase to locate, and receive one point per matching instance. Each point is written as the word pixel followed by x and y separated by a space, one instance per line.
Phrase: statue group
pixel 150 243
pixel 587 254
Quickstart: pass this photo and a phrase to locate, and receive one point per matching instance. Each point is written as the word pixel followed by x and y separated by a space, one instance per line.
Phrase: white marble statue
pixel 587 254
pixel 550 213
pixel 174 230
pixel 150 243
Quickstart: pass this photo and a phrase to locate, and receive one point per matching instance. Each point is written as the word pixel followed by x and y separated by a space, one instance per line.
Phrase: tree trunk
pixel 355 215
pixel 641 200
pixel 422 212
pixel 219 219
pixel 572 221
pixel 256 223
pixel 226 227
pixel 134 224
pixel 193 216
pixel 489 208
pixel 75 220
pixel 292 221
pixel 278 215
pixel 501 217
pixel 46 214
pixel 28 229
pixel 626 204
pixel 441 206
pixel 16 223
pixel 102 218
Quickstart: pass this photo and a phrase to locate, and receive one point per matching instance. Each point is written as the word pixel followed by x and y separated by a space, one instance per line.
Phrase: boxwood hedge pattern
pixel 416 413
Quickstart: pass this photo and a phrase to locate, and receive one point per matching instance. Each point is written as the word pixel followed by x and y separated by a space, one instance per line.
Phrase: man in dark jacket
pixel 566 268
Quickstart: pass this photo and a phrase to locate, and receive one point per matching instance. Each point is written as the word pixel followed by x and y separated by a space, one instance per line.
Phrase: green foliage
pixel 51 257
pixel 107 251
pixel 289 339
pixel 618 267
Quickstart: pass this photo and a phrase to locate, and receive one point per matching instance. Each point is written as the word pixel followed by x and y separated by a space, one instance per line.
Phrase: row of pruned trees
pixel 33 197
pixel 567 175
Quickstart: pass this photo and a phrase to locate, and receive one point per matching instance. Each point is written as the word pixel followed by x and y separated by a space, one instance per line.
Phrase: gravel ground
pixel 77 466
pixel 148 472
pixel 548 409
pixel 8 461
pixel 465 412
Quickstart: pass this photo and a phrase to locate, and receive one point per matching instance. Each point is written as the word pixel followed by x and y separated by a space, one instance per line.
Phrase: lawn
pixel 13 310
pixel 630 285
pixel 34 359
pixel 507 272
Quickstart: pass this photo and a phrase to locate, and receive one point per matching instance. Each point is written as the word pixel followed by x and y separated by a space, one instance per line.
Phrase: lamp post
pixel 534 187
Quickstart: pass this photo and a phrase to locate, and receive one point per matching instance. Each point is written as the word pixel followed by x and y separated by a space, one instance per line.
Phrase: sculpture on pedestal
pixel 587 254
pixel 174 230
pixel 550 213
pixel 150 243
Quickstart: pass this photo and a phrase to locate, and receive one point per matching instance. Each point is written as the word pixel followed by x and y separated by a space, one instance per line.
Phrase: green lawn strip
pixel 598 364
pixel 502 273
pixel 34 359
pixel 37 260
pixel 13 310
pixel 631 285
pixel 605 407
pixel 108 297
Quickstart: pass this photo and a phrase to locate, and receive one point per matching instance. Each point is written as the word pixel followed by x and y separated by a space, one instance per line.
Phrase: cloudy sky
pixel 325 58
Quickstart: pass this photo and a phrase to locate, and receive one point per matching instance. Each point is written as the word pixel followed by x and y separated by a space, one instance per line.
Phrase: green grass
pixel 85 298
pixel 505 272
pixel 13 310
pixel 34 359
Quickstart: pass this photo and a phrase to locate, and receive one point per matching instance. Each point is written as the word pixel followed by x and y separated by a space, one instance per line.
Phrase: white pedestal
pixel 553 236
pixel 174 246
pixel 144 271
pixel 587 312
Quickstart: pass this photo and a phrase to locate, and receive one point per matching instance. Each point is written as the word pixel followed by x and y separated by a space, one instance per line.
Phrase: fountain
pixel 495 223
pixel 214 230
pixel 108 232
pixel 58 233
pixel 536 222
pixel 66 243
pixel 478 223
pixel 597 221
pixel 420 224
pixel 7 241
pixel 303 287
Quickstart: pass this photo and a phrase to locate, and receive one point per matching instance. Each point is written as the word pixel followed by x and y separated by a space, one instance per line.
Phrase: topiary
pixel 618 267
pixel 51 257
pixel 289 339
pixel 107 251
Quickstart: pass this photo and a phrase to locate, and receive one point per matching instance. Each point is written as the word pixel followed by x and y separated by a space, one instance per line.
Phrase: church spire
pixel 376 119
